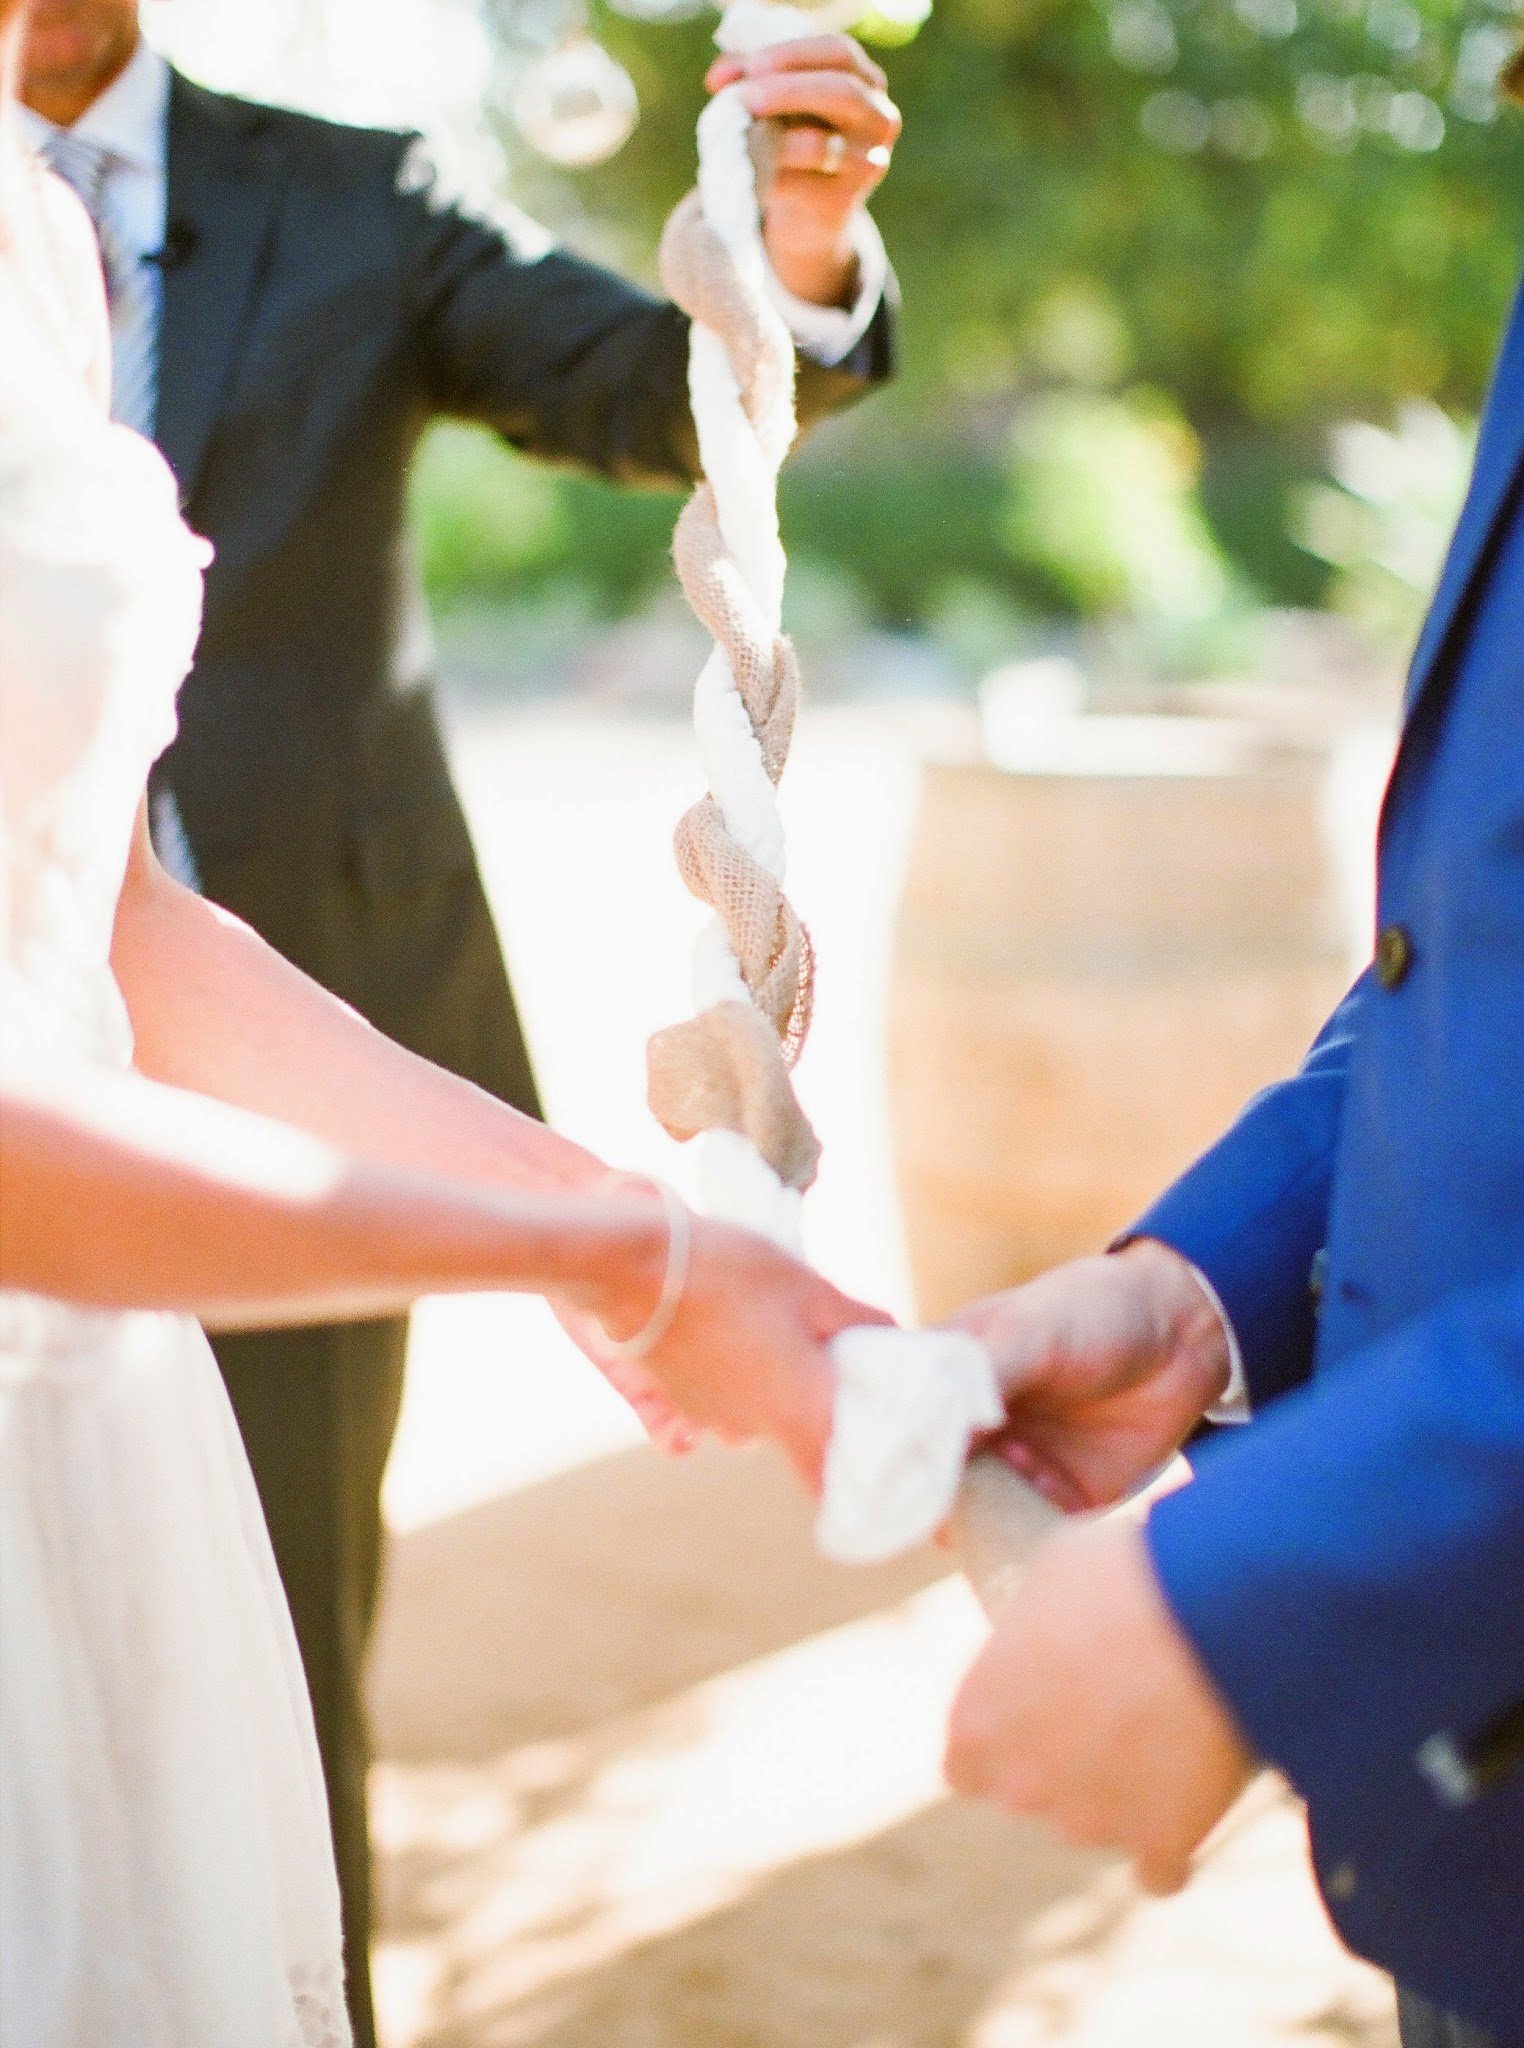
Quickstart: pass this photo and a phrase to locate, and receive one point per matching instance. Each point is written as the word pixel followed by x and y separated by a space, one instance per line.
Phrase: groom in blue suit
pixel 1341 1590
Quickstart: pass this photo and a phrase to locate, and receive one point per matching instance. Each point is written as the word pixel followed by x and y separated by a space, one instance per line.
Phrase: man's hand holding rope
pixel 836 131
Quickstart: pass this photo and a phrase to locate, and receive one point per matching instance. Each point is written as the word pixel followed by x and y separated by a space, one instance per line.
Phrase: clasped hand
pixel 747 1353
pixel 836 130
pixel 1088 1705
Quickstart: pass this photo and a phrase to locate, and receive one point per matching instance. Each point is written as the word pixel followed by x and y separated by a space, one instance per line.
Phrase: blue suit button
pixel 1341 1882
pixel 1451 1774
pixel 1394 956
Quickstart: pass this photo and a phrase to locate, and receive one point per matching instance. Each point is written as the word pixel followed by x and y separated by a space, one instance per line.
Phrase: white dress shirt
pixel 130 122
pixel 1232 1405
pixel 828 334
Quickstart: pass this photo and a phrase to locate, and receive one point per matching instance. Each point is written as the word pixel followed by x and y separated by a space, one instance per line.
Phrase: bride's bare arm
pixel 216 1010
pixel 120 1193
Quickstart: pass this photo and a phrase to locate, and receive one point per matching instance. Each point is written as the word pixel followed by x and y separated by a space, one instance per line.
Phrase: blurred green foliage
pixel 494 528
pixel 1153 253
pixel 1103 500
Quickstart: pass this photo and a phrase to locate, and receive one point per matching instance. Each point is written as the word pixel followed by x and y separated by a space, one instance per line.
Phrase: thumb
pixel 835 1312
pixel 1020 1346
pixel 1057 1485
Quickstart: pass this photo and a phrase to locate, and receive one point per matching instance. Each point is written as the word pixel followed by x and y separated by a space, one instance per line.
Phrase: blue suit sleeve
pixel 1252 1213
pixel 1349 1570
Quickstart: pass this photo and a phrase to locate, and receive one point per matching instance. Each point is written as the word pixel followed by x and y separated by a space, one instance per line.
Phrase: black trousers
pixel 318 1411
pixel 1423 2027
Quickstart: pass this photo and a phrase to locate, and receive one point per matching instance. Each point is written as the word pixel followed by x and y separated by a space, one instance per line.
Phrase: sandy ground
pixel 652 1775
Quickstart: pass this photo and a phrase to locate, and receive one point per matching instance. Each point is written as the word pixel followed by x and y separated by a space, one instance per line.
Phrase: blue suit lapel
pixel 1500 448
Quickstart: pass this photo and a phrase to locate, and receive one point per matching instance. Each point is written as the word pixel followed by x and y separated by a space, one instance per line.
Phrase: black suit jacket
pixel 324 297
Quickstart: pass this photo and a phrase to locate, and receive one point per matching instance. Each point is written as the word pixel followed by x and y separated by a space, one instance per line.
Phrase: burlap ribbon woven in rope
pixel 907 1406
pixel 765 666
pixel 721 1072
pixel 729 1068
pixel 771 946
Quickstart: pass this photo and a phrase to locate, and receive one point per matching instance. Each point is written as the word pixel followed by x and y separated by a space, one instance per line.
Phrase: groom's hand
pixel 837 128
pixel 1107 1365
pixel 1089 1708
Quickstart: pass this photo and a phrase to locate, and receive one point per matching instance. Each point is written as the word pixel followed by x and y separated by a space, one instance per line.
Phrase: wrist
pixel 810 1418
pixel 821 265
pixel 1192 1331
pixel 623 1289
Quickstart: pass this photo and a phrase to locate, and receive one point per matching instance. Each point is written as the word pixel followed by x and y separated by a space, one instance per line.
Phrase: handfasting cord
pixel 908 1404
pixel 726 1072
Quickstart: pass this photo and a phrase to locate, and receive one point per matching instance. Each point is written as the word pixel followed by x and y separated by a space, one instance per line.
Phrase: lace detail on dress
pixel 37 1336
pixel 322 2018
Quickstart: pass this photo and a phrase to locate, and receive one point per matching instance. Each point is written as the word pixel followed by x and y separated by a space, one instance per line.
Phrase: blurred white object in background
pixel 1384 518
pixel 660 10
pixel 392 63
pixel 1034 723
pixel 576 105
pixel 1023 703
pixel 1359 767
pixel 1118 744
pixel 903 17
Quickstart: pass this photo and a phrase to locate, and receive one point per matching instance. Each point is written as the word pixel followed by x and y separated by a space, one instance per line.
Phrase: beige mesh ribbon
pixel 729 1068
pixel 908 1405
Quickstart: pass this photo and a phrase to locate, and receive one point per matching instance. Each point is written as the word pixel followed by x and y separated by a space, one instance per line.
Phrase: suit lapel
pixel 1499 451
pixel 222 196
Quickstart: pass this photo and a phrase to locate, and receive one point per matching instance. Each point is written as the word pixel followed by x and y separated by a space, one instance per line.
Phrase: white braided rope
pixel 741 462
pixel 908 1404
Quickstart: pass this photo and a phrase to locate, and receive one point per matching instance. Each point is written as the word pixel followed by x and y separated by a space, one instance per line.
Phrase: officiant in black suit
pixel 292 302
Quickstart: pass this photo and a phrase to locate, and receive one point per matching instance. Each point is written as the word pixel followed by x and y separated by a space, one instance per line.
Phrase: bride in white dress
pixel 190 1132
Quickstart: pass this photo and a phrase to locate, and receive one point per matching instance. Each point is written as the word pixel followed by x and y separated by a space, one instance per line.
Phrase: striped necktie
pixel 132 283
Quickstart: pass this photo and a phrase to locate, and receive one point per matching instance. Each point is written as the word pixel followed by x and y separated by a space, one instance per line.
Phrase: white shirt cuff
pixel 828 334
pixel 1233 1404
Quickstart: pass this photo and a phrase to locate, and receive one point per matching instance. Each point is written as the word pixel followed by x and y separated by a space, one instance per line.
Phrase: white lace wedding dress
pixel 166 1879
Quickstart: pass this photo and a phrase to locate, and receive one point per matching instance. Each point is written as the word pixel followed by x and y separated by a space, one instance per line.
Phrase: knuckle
pixel 969 1747
pixel 859 61
pixel 1020 1791
pixel 961 1766
pixel 1162 1871
pixel 1084 1827
pixel 966 1728
pixel 959 1776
